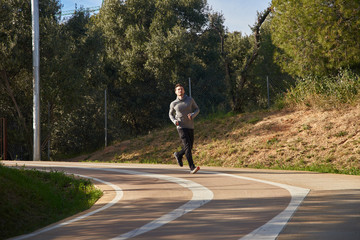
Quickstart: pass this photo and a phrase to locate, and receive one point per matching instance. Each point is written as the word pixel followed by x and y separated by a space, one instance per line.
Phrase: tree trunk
pixel 21 118
pixel 238 101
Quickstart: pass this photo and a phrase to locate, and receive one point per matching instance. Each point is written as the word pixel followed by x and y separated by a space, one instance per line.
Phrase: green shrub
pixel 325 92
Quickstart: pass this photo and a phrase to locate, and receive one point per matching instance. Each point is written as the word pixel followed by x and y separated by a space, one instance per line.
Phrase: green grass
pixel 31 199
pixel 320 168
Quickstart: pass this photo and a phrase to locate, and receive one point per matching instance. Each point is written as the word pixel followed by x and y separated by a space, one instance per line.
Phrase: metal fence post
pixel 189 87
pixel 3 133
pixel 105 117
pixel 268 90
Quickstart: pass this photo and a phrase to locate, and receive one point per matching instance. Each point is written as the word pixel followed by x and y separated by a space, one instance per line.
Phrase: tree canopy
pixel 315 36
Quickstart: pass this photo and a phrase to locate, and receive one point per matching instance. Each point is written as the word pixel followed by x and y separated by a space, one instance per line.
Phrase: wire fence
pixel 277 85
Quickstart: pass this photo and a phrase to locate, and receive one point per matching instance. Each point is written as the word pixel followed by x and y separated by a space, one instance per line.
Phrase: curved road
pixel 166 202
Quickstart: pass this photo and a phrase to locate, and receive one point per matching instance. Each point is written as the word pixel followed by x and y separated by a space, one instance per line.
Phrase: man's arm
pixel 172 114
pixel 196 110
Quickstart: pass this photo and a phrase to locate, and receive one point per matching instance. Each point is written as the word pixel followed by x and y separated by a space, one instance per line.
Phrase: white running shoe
pixel 195 170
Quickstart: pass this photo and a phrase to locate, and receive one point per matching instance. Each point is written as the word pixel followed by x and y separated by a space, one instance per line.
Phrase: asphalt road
pixel 166 202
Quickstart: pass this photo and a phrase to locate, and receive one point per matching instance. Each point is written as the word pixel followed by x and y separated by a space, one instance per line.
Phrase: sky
pixel 239 14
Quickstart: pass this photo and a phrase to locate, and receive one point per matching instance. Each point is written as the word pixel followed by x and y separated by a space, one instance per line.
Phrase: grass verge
pixel 32 199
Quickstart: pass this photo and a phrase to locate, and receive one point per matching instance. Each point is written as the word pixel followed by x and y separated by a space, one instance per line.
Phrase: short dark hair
pixel 179 85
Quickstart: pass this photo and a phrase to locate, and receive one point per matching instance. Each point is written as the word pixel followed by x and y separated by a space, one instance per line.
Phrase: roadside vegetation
pixel 327 93
pixel 32 199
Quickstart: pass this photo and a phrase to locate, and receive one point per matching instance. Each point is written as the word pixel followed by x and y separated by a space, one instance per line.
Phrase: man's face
pixel 179 91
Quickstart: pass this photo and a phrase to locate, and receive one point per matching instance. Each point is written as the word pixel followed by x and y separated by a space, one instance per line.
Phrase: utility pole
pixel 36 78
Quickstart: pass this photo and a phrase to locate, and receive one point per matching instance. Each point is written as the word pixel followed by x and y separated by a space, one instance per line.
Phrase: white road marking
pixel 272 228
pixel 201 195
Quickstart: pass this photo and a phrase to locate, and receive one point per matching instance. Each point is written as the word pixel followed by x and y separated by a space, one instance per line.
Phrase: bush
pixel 325 92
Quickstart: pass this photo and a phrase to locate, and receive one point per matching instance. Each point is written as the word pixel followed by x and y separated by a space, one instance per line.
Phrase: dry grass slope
pixel 308 139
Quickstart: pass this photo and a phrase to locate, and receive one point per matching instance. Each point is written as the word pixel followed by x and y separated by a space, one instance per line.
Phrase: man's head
pixel 179 90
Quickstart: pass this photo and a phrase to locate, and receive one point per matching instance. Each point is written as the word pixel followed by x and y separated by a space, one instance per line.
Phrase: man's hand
pixel 177 123
pixel 189 116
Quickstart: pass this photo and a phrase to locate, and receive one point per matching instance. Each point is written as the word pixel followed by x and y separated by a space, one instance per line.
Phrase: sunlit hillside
pixel 317 140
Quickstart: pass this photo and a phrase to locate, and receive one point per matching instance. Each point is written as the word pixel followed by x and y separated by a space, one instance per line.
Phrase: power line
pixel 72 12
pixel 65 15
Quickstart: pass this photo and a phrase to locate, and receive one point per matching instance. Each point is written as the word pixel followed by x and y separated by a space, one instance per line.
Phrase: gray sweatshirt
pixel 179 109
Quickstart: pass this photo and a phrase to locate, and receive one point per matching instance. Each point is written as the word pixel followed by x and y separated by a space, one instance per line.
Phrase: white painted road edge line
pixel 118 196
pixel 201 195
pixel 273 228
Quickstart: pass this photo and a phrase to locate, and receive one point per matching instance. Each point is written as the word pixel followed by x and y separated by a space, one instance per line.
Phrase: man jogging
pixel 182 113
